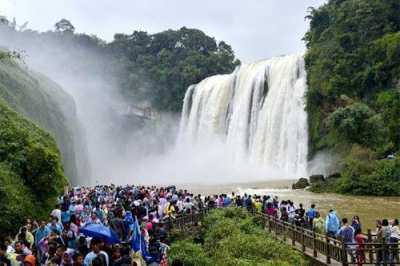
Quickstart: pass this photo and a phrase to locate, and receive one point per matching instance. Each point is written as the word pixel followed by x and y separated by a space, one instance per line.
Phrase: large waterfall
pixel 258 111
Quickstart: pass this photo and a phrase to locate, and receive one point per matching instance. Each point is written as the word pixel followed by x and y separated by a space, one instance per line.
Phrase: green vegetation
pixel 40 99
pixel 353 101
pixel 231 237
pixel 160 67
pixel 31 175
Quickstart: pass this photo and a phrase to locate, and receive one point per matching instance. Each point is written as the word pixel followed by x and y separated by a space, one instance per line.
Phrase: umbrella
pixel 103 232
pixel 170 187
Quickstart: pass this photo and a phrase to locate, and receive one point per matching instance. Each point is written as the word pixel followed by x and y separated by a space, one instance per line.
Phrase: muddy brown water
pixel 368 208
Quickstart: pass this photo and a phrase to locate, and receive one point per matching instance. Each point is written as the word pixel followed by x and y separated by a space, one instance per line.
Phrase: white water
pixel 258 112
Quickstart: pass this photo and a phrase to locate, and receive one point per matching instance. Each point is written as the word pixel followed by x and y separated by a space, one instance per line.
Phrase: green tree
pixel 64 26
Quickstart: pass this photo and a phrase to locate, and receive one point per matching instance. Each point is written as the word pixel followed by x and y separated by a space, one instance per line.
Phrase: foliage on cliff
pixel 232 237
pixel 31 174
pixel 353 101
pixel 40 99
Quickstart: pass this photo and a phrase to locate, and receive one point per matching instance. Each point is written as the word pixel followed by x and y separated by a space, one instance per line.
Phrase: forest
pixel 353 99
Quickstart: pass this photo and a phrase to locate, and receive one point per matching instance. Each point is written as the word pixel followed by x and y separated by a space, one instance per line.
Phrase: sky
pixel 256 29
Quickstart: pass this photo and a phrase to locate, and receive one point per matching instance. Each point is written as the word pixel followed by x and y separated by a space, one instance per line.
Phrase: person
pixel 319 224
pixel 359 239
pixel 291 209
pixel 4 258
pixel 258 205
pixel 380 237
pixel 356 223
pixel 41 232
pixel 332 224
pixel 347 233
pixel 8 242
pixel 394 238
pixel 77 259
pixel 21 248
pixel 284 215
pixel 30 261
pixel 95 245
pixel 57 212
pixel 269 209
pixel 310 216
pixel 24 234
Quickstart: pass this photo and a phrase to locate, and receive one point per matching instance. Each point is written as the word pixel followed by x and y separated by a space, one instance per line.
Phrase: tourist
pixel 57 212
pixel 332 224
pixel 269 209
pixel 95 246
pixel 21 248
pixel 346 232
pixel 291 209
pixel 4 257
pixel 25 235
pixel 284 215
pixel 394 238
pixel 318 224
pixel 258 206
pixel 356 222
pixel 382 234
pixel 310 216
pixel 41 232
pixel 30 261
pixel 77 259
pixel 359 239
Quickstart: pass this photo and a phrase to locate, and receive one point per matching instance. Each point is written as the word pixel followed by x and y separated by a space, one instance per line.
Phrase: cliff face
pixel 48 106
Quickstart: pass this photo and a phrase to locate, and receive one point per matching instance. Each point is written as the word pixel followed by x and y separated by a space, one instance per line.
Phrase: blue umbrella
pixel 97 230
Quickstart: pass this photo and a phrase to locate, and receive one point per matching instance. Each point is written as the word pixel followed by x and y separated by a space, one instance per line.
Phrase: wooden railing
pixel 309 242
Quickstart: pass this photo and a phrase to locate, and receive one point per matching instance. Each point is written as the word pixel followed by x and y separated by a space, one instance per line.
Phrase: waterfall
pixel 258 111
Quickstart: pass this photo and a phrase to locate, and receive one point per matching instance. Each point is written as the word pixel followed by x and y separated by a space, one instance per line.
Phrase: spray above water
pixel 257 113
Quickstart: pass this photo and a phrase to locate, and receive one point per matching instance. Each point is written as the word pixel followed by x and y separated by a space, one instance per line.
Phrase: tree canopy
pixel 353 100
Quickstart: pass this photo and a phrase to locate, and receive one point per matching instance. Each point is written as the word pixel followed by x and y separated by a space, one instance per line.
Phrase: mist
pixel 128 141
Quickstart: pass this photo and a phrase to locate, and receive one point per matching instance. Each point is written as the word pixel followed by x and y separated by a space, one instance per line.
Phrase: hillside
pixel 353 101
pixel 31 175
pixel 38 98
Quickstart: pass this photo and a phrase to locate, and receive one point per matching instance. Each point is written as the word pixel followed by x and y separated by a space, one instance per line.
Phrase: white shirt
pixel 394 231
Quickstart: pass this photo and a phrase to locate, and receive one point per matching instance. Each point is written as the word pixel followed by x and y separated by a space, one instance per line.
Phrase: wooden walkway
pixel 320 249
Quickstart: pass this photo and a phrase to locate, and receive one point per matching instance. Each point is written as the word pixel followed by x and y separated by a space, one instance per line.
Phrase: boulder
pixel 316 179
pixel 301 184
pixel 333 176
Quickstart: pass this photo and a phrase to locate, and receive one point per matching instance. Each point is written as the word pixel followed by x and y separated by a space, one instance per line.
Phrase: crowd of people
pixel 59 242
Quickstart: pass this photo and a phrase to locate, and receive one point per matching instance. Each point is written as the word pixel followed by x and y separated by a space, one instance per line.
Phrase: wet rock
pixel 301 184
pixel 314 179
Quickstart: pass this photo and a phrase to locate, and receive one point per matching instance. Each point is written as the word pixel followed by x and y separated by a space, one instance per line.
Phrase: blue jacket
pixel 332 223
pixel 41 233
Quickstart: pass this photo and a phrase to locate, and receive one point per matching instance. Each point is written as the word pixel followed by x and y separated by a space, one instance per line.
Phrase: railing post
pixel 384 252
pixel 328 258
pixel 264 221
pixel 369 239
pixel 314 244
pixel 270 224
pixel 293 235
pixel 303 245
pixel 344 252
pixel 284 231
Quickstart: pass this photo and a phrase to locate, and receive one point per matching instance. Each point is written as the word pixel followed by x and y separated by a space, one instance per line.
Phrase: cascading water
pixel 258 111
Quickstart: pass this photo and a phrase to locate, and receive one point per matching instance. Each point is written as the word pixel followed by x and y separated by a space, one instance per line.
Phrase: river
pixel 368 208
